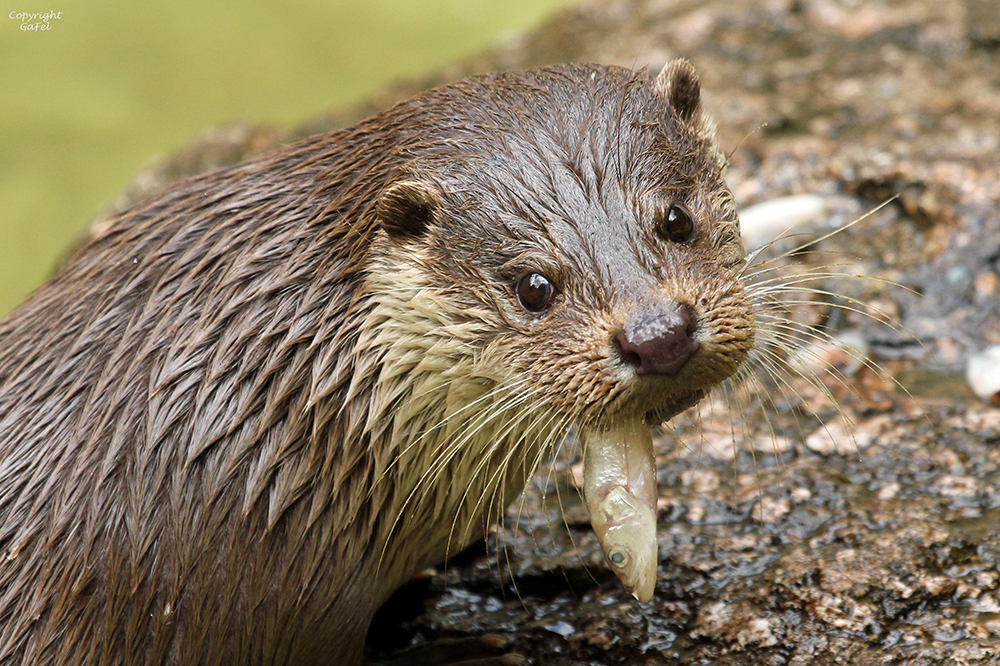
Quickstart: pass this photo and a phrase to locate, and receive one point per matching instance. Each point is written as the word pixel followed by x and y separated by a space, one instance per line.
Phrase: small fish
pixel 619 487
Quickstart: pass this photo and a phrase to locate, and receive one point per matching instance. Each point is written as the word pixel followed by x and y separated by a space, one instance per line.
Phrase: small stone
pixel 834 438
pixel 771 509
pixel 757 632
pixel 847 352
pixel 985 604
pixel 801 494
pixel 958 486
pixel 564 629
pixel 768 221
pixel 889 491
pixel 986 283
pixel 772 444
pixel 983 374
pixel 700 480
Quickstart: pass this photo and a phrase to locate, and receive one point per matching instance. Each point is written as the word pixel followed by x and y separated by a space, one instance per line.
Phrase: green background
pixel 88 103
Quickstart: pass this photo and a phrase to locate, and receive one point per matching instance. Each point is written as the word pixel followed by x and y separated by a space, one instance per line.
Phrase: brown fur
pixel 254 406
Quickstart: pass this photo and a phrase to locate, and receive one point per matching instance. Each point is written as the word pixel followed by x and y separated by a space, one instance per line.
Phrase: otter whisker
pixel 786 335
pixel 804 285
pixel 552 443
pixel 512 422
pixel 790 344
pixel 749 134
pixel 812 241
pixel 449 446
pixel 773 322
pixel 455 443
pixel 449 417
pixel 781 282
pixel 777 369
pixel 496 498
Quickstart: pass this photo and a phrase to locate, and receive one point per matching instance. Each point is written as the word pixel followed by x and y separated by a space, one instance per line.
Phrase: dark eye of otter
pixel 676 225
pixel 535 292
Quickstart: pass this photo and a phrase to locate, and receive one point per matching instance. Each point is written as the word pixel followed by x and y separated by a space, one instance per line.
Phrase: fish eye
pixel 535 292
pixel 618 558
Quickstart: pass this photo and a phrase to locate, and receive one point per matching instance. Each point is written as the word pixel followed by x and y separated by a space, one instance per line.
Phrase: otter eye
pixel 535 292
pixel 676 225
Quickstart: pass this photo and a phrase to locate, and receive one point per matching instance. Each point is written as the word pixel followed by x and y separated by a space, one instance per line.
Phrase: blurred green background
pixel 108 87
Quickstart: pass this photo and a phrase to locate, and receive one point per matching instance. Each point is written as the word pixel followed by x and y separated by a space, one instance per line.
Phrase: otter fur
pixel 255 405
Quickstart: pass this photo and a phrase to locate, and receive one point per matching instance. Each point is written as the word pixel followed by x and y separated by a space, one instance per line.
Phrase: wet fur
pixel 246 413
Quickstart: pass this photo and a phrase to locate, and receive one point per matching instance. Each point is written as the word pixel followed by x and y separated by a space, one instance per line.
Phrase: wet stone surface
pixel 886 555
pixel 838 521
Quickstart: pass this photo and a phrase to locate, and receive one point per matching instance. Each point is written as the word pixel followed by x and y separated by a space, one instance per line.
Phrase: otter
pixel 256 404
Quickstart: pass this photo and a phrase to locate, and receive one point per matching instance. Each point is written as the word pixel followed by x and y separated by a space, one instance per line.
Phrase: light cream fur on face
pixel 460 436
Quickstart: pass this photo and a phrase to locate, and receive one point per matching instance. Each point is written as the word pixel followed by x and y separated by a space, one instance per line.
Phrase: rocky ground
pixel 851 519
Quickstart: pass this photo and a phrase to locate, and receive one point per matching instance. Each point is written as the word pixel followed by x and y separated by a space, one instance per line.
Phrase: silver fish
pixel 619 487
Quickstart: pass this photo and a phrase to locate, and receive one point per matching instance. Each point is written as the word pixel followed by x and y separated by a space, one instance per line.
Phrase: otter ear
pixel 406 209
pixel 678 85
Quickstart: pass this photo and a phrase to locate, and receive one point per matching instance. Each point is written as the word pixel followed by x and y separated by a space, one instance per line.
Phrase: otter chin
pixel 253 406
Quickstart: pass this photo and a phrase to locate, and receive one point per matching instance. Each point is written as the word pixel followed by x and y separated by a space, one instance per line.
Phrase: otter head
pixel 576 240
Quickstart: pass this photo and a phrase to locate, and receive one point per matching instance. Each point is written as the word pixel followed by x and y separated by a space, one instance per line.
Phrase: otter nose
pixel 659 343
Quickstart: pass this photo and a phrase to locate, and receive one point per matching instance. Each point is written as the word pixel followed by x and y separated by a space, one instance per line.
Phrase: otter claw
pixel 619 488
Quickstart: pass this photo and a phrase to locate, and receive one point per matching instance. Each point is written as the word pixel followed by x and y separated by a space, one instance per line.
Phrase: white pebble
pixel 767 221
pixel 983 373
pixel 771 509
pixel 564 629
pixel 847 351
pixel 889 491
pixel 801 494
pixel 833 438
